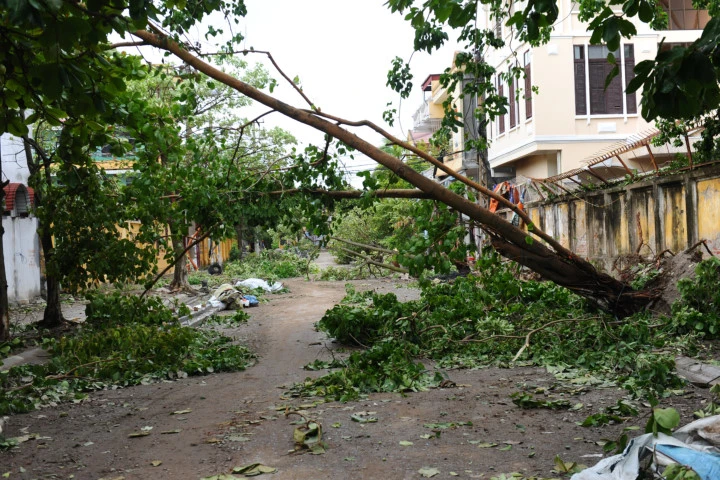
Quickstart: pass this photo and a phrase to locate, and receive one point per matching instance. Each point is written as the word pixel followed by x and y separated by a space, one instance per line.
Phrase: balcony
pixel 423 122
pixel 439 93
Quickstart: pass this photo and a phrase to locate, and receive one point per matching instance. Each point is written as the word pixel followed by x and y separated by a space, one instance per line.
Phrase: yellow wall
pixel 669 213
pixel 673 218
pixel 221 253
pixel 708 192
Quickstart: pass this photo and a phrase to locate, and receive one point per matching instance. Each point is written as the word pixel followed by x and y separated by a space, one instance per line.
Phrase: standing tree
pixel 208 145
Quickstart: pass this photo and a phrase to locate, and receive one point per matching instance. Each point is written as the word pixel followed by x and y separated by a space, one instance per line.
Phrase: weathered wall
pixel 22 258
pixel 663 213
pixel 200 254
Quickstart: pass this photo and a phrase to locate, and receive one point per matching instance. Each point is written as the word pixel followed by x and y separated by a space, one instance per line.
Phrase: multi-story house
pixel 572 118
pixel 427 120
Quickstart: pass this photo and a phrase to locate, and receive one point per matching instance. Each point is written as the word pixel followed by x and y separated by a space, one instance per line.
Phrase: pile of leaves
pixel 387 366
pixel 493 318
pixel 126 340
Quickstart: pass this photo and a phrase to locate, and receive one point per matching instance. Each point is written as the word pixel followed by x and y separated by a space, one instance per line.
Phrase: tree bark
pixel 240 234
pixel 559 265
pixel 180 274
pixel 53 316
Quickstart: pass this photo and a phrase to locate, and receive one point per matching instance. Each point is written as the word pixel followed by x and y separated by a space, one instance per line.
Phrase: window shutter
pixel 580 98
pixel 614 91
pixel 501 118
pixel 630 98
pixel 597 86
pixel 511 99
pixel 528 87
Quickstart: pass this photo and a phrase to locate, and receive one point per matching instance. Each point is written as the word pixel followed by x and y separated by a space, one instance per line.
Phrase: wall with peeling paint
pixel 22 258
pixel 672 213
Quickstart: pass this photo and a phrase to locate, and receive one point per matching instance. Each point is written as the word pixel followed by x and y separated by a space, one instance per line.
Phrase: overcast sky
pixel 341 50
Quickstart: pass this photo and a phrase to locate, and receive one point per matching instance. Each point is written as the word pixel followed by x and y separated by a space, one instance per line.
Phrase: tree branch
pixel 566 268
pixel 373 262
pixel 125 44
pixel 176 259
pixel 361 245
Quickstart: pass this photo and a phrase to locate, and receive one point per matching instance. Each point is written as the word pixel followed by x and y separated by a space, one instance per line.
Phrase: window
pixel 682 15
pixel 590 76
pixel 667 46
pixel 580 100
pixel 528 86
pixel 511 98
pixel 501 118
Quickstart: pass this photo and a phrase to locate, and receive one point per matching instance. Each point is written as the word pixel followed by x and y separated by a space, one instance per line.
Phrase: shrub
pixel 699 307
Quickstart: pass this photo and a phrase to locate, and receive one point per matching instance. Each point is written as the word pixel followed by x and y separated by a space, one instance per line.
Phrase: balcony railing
pixel 422 122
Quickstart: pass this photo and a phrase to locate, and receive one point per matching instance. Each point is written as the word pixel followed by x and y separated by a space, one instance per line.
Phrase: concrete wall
pixel 649 217
pixel 22 258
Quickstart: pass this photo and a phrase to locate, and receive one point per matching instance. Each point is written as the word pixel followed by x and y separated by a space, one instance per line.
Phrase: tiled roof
pixel 11 191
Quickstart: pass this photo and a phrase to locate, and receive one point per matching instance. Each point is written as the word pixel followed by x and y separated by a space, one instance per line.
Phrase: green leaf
pixel 668 418
pixel 17 127
pixel 254 469
pixel 646 11
pixel 428 472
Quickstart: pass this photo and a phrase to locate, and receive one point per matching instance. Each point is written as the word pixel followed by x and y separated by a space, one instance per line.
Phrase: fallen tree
pixel 553 262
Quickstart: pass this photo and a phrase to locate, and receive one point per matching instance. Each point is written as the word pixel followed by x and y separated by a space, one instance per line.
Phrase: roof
pixel 11 193
pixel 426 85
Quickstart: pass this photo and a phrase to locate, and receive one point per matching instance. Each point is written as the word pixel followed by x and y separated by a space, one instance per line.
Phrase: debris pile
pixel 695 446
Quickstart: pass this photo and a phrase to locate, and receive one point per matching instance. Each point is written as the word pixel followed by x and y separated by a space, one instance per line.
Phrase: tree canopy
pixel 58 65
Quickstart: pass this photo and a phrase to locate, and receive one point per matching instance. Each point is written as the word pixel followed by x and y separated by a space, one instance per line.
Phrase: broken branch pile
pixel 496 319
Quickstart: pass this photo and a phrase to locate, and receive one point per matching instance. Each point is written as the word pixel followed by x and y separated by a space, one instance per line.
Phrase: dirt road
pixel 233 419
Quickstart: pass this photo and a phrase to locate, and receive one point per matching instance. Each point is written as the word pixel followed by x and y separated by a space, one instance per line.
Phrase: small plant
pixel 618 445
pixel 713 406
pixel 6 348
pixel 679 472
pixel 699 309
pixel 662 420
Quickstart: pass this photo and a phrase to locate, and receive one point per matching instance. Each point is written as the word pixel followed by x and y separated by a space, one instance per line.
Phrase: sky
pixel 341 50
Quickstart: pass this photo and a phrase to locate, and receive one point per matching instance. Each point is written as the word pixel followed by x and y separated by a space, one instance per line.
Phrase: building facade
pixel 572 118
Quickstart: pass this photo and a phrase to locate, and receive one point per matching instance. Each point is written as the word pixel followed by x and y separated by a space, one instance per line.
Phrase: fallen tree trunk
pixel 370 261
pixel 362 245
pixel 559 265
